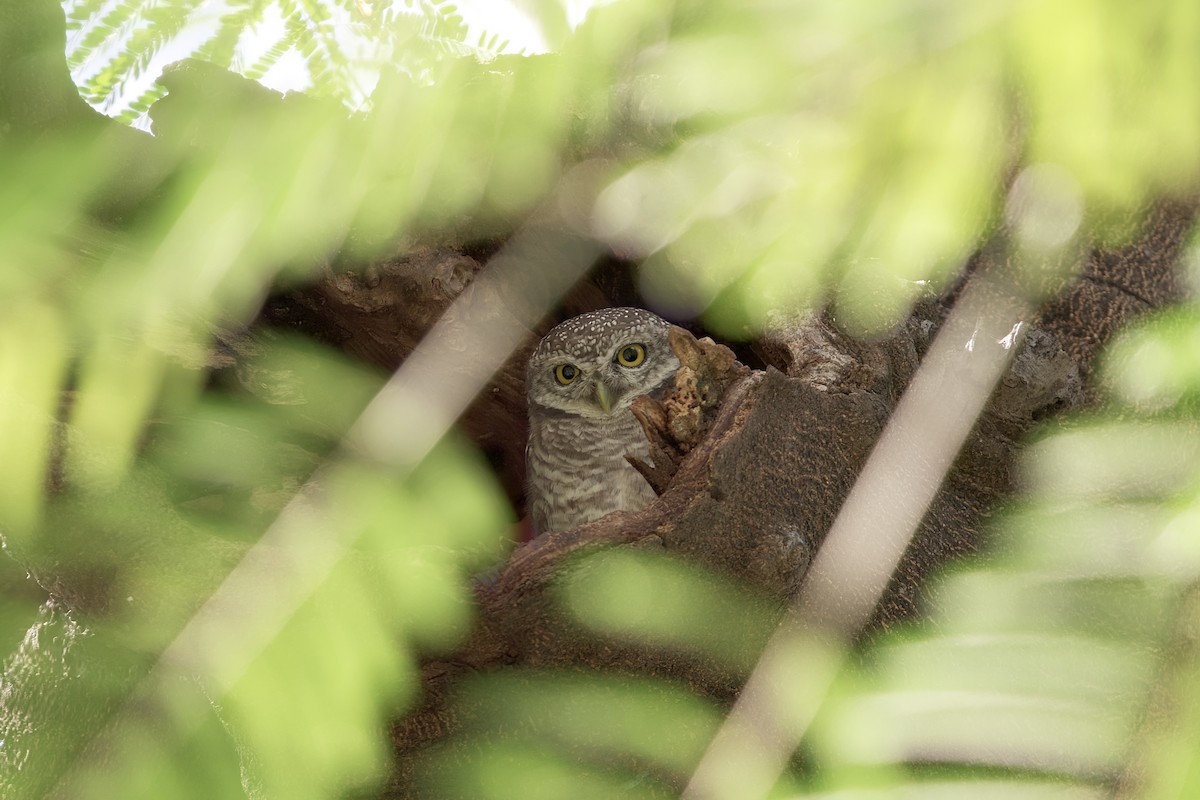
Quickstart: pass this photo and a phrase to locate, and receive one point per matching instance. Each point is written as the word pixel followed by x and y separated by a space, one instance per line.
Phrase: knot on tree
pixel 678 419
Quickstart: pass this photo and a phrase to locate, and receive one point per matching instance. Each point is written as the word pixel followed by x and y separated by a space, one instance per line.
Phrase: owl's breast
pixel 577 471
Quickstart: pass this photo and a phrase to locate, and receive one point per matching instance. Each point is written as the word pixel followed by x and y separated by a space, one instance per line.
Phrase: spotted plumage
pixel 581 382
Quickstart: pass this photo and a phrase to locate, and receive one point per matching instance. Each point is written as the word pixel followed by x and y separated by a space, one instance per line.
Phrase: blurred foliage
pixel 761 157
pixel 547 734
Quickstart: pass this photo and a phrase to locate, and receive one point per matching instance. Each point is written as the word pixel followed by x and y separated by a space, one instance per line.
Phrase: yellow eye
pixel 565 373
pixel 630 355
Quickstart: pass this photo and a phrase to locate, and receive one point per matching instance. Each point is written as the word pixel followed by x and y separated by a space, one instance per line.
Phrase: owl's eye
pixel 631 355
pixel 565 373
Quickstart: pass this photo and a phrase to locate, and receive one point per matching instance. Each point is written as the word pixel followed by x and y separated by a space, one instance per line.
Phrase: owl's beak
pixel 604 397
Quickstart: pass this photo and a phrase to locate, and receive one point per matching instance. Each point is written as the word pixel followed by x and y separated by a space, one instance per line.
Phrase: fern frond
pixel 79 13
pixel 274 53
pixel 140 106
pixel 443 23
pixel 164 23
pixel 221 49
pixel 307 44
pixel 332 73
pixel 115 25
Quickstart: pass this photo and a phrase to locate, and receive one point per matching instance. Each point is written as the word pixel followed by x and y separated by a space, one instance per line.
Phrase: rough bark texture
pixel 752 465
pixel 1120 284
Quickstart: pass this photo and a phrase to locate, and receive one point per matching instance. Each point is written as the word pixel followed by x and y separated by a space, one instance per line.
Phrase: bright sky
pixel 503 18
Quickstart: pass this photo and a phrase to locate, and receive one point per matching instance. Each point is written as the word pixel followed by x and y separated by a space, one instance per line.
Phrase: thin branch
pixel 864 546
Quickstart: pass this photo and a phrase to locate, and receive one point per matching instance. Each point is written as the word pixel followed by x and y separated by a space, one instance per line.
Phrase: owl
pixel 582 379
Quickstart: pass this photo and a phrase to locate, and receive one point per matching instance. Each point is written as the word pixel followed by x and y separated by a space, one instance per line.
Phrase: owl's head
pixel 595 364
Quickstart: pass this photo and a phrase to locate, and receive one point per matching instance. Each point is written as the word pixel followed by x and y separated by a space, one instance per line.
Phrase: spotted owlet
pixel 582 379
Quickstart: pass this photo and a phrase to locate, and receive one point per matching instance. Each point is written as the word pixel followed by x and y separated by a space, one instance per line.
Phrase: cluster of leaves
pixel 224 595
pixel 116 49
